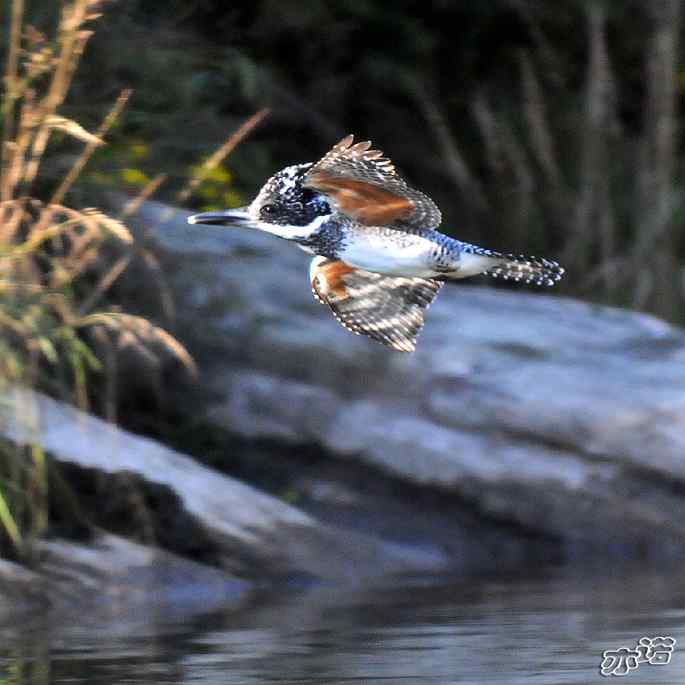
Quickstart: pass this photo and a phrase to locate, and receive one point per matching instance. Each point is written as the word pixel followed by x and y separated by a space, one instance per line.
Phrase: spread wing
pixel 363 184
pixel 389 309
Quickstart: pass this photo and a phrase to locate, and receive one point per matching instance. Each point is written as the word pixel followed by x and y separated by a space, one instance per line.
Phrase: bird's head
pixel 283 207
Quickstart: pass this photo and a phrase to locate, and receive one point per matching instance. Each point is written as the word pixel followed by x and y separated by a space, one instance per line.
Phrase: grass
pixel 561 169
pixel 58 262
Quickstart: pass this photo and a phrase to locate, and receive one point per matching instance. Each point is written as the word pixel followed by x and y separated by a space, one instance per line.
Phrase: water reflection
pixel 550 628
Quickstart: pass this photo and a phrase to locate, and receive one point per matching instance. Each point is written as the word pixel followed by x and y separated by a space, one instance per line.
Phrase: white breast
pixel 390 252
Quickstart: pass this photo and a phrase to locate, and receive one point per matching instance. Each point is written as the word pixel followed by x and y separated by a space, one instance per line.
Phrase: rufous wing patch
pixel 388 309
pixel 363 183
pixel 367 203
pixel 327 280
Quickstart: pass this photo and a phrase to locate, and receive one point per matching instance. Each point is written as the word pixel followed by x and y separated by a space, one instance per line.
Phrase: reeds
pixel 558 168
pixel 56 261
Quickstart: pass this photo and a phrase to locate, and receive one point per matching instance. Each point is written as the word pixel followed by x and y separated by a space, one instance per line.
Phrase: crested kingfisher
pixel 379 259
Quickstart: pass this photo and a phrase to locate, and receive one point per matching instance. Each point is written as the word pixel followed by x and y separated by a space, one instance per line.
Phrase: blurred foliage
pixel 57 262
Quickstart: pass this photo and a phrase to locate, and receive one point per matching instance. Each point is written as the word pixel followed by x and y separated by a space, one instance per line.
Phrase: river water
pixel 534 627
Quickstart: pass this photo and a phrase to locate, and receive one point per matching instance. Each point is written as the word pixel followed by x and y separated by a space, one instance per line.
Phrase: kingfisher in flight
pixel 379 258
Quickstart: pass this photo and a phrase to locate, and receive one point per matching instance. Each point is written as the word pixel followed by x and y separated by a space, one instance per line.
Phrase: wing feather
pixel 364 184
pixel 367 203
pixel 388 309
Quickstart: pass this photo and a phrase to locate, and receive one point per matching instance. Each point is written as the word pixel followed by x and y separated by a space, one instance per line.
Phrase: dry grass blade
pixel 35 241
pixel 11 213
pixel 534 108
pixel 229 145
pixel 87 152
pixel 454 161
pixel 75 265
pixel 488 127
pixel 72 44
pixel 155 268
pixel 73 128
pixel 15 36
pixel 133 205
pixel 111 225
pixel 14 286
pixel 11 324
pixel 17 148
pixel 105 283
pixel 92 220
pixel 141 334
pixel 593 197
pixel 10 90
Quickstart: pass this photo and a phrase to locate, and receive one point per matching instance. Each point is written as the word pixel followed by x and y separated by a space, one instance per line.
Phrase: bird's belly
pixel 391 252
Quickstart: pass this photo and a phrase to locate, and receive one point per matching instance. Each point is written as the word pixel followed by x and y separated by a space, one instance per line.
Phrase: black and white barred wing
pixel 388 309
pixel 364 184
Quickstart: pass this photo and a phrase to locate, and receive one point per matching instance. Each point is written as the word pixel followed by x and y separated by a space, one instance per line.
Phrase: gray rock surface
pixel 113 575
pixel 564 418
pixel 248 532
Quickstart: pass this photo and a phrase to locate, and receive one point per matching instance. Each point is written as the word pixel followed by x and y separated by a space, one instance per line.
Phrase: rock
pixel 566 419
pixel 114 575
pixel 245 531
pixel 21 590
pixel 119 575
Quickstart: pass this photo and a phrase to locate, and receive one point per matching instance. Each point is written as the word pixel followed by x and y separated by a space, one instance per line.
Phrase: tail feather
pixel 525 269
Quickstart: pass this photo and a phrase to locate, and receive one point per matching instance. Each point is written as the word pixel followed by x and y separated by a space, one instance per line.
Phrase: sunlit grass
pixel 56 261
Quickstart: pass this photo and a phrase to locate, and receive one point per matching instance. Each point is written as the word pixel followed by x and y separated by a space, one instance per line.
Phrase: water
pixel 548 629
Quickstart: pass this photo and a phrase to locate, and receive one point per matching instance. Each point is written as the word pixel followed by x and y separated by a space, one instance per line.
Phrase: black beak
pixel 230 217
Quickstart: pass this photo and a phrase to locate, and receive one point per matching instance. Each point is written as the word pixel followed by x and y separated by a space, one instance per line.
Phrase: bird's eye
pixel 269 210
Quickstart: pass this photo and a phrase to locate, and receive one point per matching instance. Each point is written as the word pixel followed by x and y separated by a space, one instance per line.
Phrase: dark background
pixel 540 127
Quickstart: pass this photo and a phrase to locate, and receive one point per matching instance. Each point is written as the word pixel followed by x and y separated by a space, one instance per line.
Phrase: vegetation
pixel 56 261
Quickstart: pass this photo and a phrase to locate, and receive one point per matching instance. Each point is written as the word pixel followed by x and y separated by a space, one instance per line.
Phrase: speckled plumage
pixel 361 163
pixel 380 260
pixel 388 309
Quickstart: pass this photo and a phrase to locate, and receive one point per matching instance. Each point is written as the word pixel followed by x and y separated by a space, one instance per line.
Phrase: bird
pixel 379 258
